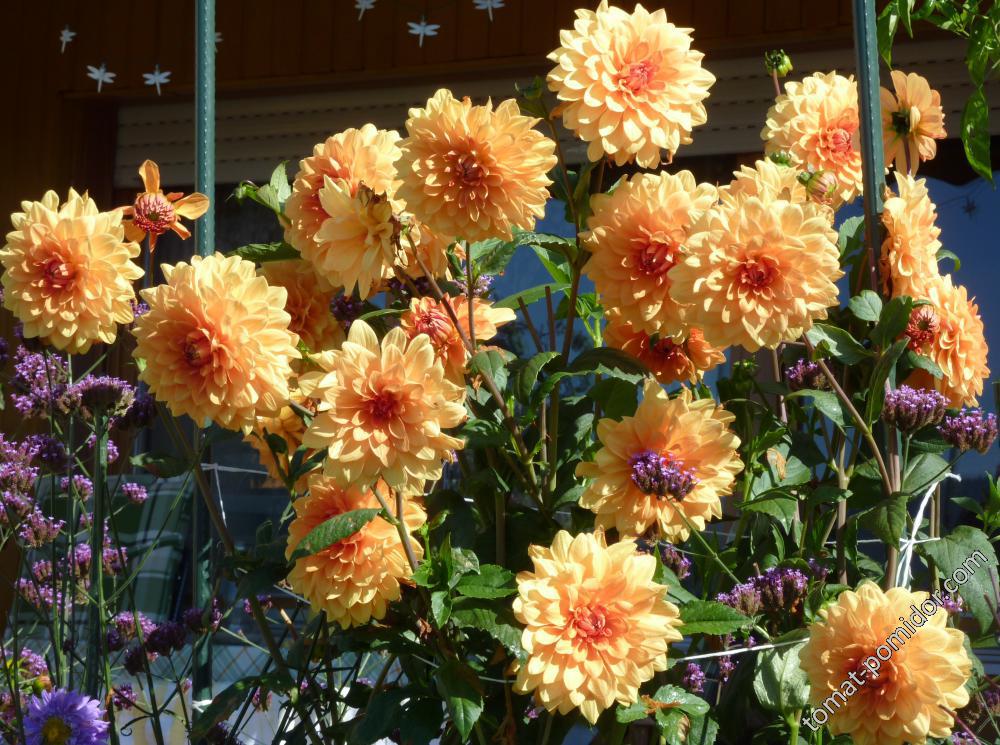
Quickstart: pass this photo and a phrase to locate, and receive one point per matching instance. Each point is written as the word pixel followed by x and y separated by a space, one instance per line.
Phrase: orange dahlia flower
pixel 355 579
pixel 630 84
pixel 664 468
pixel 289 426
pixel 68 272
pixel 768 181
pixel 912 119
pixel 758 273
pixel 920 676
pixel 215 342
pixel 596 625
pixel 352 157
pixel 909 251
pixel 428 316
pixel 308 303
pixel 670 361
pixel 958 345
pixel 154 213
pixel 636 235
pixel 816 123
pixel 473 172
pixel 383 409
pixel 422 247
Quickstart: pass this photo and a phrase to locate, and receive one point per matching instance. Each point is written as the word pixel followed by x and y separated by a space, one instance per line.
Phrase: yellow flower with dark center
pixel 596 625
pixel 912 121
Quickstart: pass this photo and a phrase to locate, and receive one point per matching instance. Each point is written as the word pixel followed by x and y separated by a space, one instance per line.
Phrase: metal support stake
pixel 205 244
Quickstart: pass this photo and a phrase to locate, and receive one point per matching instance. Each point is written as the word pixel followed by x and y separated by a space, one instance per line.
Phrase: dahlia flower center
pixel 592 623
pixel 59 275
pixel 758 273
pixel 637 76
pixel 901 122
pixel 56 732
pixel 923 327
pixel 838 141
pixel 661 476
pixel 655 254
pixel 154 213
pixel 664 348
pixel 467 171
pixel 383 407
pixel 435 325
pixel 197 349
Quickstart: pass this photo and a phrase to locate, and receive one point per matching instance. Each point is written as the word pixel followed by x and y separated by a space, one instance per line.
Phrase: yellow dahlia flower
pixel 473 172
pixel 909 251
pixel 428 316
pixel 215 342
pixel 816 123
pixel 912 119
pixel 355 579
pixel 596 625
pixel 663 468
pixel 308 303
pixel 383 409
pixel 68 272
pixel 758 273
pixel 767 180
pixel 670 361
pixel 287 425
pixel 958 345
pixel 636 235
pixel 921 670
pixel 352 157
pixel 630 84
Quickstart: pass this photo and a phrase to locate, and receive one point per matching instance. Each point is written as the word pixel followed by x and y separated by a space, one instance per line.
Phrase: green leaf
pixel 461 691
pixel 904 7
pixel 261 252
pixel 826 402
pixel 492 363
pixel 160 465
pixel 611 362
pixel 920 362
pixel 976 133
pixel 888 519
pixel 492 255
pixel 969 550
pixel 779 505
pixel 704 731
pixel 779 682
pixel 895 316
pixel 380 717
pixel 559 244
pixel 527 376
pixel 278 185
pixel 440 607
pixel 866 306
pixel 922 471
pixel 492 582
pixel 495 619
pixel 838 342
pixel 337 528
pixel 226 702
pixel 709 617
pixel 531 295
pixel 480 433
pixel 876 388
pixel 850 236
pixel 885 29
pixel 944 253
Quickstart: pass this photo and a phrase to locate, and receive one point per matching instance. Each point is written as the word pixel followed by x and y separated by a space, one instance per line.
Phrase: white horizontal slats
pixel 254 134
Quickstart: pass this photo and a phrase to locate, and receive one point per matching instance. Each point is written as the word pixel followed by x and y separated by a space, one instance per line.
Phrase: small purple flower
pixel 95 394
pixel 909 409
pixel 136 660
pixel 778 593
pixel 112 447
pixel 726 667
pixel 124 622
pixel 744 597
pixel 32 664
pixel 261 699
pixel 135 493
pixel 952 604
pixel 970 429
pixel 123 697
pixel 200 621
pixel 674 560
pixel 481 288
pixel 819 572
pixel 4 352
pixel 167 638
pixel 64 717
pixel 38 382
pixel 139 414
pixel 139 308
pixel 991 697
pixel 661 476
pixel 114 640
pixel 39 530
pixel 346 309
pixel 694 678
pixel 805 375
pixel 533 712
pixel 83 488
pixel 50 452
pixel 265 604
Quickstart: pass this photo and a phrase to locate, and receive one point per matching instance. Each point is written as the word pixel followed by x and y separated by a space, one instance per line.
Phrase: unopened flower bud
pixel 778 63
pixel 821 186
pixel 781 158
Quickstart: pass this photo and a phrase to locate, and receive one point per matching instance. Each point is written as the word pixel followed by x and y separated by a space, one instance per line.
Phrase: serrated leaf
pixel 866 306
pixel 888 519
pixel 895 316
pixel 922 471
pixel 440 607
pixel 527 376
pixel 337 528
pixel 826 402
pixel 876 387
pixel 461 691
pixel 779 681
pixel 970 550
pixel 779 505
pixel 709 617
pixel 263 252
pixel 841 345
pixel 976 133
pixel 492 618
pixel 492 363
pixel 492 255
pixel 529 296
pixel 492 582
pixel 920 362
pixel 611 362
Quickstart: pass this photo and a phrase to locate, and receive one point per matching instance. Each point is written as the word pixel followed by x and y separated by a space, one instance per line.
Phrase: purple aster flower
pixel 49 452
pixel 135 493
pixel 346 309
pixel 805 375
pixel 674 560
pixel 167 638
pixel 694 678
pixel 139 414
pixel 970 429
pixel 661 475
pixel 123 697
pixel 909 409
pixel 64 717
pixel 98 393
pixel 38 382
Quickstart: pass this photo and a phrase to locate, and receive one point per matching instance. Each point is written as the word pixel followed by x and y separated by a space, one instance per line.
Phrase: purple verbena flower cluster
pixel 674 560
pixel 778 593
pixel 805 375
pixel 135 493
pixel 346 309
pixel 970 429
pixel 694 678
pixel 38 382
pixel 909 409
pixel 96 394
pixel 661 475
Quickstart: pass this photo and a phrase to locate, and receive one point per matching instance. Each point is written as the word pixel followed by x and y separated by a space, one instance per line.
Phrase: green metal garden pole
pixel 872 157
pixel 201 540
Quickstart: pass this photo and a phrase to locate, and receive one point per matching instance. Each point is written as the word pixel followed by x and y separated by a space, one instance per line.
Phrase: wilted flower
pixel 971 429
pixel 674 560
pixel 909 409
pixel 154 213
pixel 102 394
pixel 596 624
pixel 630 85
